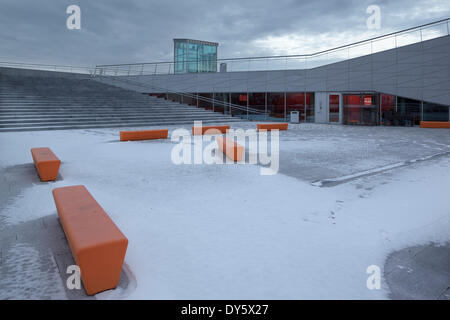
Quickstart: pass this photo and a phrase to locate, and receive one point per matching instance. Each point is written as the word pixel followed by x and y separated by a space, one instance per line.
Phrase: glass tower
pixel 192 56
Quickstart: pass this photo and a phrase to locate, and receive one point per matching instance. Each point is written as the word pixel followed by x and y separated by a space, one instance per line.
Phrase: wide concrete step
pixel 64 112
pixel 71 102
pixel 102 118
pixel 121 125
pixel 101 122
pixel 96 107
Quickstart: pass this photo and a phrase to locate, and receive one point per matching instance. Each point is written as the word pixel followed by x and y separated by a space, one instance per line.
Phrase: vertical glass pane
pixel 387 109
pixel 275 106
pixel 408 112
pixel 352 104
pixel 435 112
pixel 334 107
pixel 361 109
pixel 239 99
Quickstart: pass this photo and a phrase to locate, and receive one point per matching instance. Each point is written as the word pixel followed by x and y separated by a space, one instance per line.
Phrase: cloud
pixel 117 31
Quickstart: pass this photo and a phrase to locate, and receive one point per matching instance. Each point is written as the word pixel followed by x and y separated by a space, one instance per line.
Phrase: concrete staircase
pixel 29 103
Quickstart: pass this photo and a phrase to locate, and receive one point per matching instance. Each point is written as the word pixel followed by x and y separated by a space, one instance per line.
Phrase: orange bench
pixel 143 135
pixel 97 244
pixel 46 163
pixel 272 126
pixel 202 130
pixel 231 149
pixel 435 124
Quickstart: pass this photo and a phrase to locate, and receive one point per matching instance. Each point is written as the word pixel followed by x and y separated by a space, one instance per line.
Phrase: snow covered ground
pixel 227 232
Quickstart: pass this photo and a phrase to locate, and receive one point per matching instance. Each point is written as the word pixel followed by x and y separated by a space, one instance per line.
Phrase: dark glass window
pixel 239 99
pixel 275 105
pixel 435 112
pixel 221 102
pixel 408 112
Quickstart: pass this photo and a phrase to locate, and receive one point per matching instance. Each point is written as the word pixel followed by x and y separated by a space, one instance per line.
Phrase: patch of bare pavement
pixel 419 273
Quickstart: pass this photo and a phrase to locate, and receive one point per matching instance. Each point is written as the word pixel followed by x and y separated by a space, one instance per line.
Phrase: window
pixel 361 109
pixel 194 56
pixel 435 112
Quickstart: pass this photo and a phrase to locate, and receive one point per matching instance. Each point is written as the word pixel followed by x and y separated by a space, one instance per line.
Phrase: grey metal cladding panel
pixel 436 69
pixel 387 89
pixel 336 67
pixel 317 83
pixel 440 80
pixel 442 88
pixel 337 85
pixel 257 86
pixel 385 81
pixel 405 69
pixel 298 78
pixel 337 73
pixel 407 82
pixel 437 42
pixel 384 57
pixel 440 60
pixel 360 68
pixel 437 97
pixel 410 93
pixel 256 76
pixel 360 86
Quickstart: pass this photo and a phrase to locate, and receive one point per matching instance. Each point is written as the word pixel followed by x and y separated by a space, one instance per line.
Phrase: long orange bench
pixel 435 124
pixel 272 126
pixel 46 163
pixel 202 130
pixel 231 149
pixel 97 244
pixel 143 135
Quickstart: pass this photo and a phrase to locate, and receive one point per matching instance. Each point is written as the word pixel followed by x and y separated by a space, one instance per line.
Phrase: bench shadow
pixel 26 174
pixel 46 237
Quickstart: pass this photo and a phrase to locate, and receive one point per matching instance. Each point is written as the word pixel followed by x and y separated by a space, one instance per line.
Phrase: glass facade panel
pixel 275 106
pixel 296 102
pixel 191 56
pixel 221 107
pixel 206 104
pixel 387 109
pixel 361 109
pixel 239 99
pixel 435 112
pixel 334 107
pixel 408 112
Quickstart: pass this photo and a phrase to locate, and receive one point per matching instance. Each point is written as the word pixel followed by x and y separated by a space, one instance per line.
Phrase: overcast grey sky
pixel 119 31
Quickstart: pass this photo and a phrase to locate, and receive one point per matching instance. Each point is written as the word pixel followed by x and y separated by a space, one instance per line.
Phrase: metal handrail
pixel 49 67
pixel 127 69
pixel 185 94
